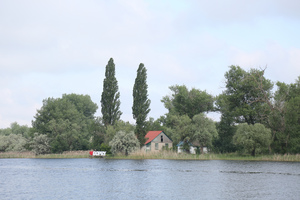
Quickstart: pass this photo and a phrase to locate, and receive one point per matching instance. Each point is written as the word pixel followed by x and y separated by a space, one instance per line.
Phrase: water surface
pixel 147 179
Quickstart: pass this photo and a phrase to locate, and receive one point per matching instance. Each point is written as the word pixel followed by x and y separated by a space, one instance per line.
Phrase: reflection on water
pixel 147 179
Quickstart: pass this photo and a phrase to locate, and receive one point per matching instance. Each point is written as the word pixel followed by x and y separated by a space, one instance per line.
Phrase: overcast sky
pixel 49 48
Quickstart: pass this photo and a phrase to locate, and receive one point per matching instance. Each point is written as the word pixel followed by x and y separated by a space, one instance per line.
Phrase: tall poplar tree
pixel 141 103
pixel 110 98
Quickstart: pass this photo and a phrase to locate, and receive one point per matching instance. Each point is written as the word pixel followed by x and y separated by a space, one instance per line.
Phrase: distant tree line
pixel 254 118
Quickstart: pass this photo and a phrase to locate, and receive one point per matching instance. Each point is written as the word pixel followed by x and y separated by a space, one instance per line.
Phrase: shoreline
pixel 167 155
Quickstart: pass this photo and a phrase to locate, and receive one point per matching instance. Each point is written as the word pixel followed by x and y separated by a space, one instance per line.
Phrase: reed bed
pixel 66 154
pixel 210 156
pixel 170 155
pixel 12 154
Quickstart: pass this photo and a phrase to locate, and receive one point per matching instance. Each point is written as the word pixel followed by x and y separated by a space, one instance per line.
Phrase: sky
pixel 49 48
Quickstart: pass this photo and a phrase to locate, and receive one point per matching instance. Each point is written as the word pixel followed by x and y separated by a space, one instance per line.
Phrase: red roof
pixel 151 135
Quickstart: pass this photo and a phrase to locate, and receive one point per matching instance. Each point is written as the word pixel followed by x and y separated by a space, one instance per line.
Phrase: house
pixel 180 147
pixel 193 148
pixel 156 140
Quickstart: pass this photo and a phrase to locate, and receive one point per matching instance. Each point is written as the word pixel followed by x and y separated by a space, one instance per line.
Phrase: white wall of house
pixel 192 149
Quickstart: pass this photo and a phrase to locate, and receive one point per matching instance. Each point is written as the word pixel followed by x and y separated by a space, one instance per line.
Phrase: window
pixel 161 138
pixel 167 145
pixel 156 146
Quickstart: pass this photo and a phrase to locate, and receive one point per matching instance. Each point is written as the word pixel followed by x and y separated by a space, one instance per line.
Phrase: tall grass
pixel 159 155
pixel 66 154
pixel 12 154
pixel 210 156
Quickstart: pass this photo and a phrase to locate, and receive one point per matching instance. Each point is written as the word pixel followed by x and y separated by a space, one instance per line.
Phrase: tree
pixel 141 103
pixel 120 125
pixel 152 124
pixel 179 128
pixel 200 130
pixel 13 142
pixel 204 130
pixel 40 144
pixel 124 143
pixel 245 91
pixel 293 125
pixel 110 98
pixel 276 119
pixel 252 138
pixel 17 129
pixel 185 102
pixel 98 134
pixel 226 126
pixel 66 121
pixel 279 114
pixel 286 122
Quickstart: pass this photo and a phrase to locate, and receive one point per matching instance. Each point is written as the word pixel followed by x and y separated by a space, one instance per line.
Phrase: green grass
pixel 170 155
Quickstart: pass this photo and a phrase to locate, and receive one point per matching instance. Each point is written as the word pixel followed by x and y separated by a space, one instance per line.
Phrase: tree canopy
pixel 254 118
pixel 141 103
pixel 66 121
pixel 200 130
pixel 110 98
pixel 252 138
pixel 188 102
pixel 244 91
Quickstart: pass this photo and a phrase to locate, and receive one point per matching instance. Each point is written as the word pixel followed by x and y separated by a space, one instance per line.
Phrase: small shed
pixel 156 141
pixel 192 149
pixel 180 147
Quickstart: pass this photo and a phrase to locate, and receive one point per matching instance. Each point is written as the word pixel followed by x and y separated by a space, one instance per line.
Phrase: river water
pixel 147 179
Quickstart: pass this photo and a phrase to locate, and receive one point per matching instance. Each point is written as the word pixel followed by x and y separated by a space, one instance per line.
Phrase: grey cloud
pixel 56 47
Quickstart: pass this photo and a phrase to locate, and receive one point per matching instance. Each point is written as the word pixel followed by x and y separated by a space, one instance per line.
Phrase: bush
pixel 252 138
pixel 124 143
pixel 13 142
pixel 41 144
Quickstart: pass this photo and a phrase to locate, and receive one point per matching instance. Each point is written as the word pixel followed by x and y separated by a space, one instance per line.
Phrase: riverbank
pixel 210 156
pixel 29 154
pixel 158 155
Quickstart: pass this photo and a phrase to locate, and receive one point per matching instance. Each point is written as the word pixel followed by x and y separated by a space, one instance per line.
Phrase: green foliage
pixel 13 142
pixel 179 128
pixel 252 138
pixel 283 118
pixel 186 145
pixel 293 125
pixel 247 99
pixel 124 143
pixel 105 147
pixel 68 136
pixel 141 103
pixel 225 127
pixel 185 102
pixel 155 125
pixel 199 131
pixel 204 130
pixel 98 133
pixel 67 121
pixel 120 125
pixel 17 129
pixel 110 98
pixel 226 130
pixel 40 144
pixel 245 91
